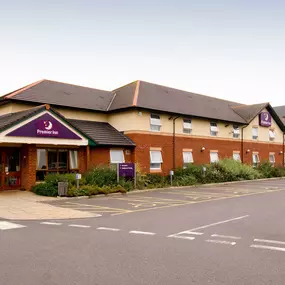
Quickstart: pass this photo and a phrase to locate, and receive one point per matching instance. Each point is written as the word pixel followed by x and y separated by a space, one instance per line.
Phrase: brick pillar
pixel 82 159
pixel 28 166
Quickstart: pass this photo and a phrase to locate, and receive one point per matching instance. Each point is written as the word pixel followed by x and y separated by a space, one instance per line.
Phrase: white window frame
pixel 188 153
pixel 115 161
pixel 236 131
pixel 235 154
pixel 214 130
pixel 155 123
pixel 254 133
pixel 216 153
pixel 257 161
pixel 187 126
pixel 155 164
pixel 272 161
pixel 272 135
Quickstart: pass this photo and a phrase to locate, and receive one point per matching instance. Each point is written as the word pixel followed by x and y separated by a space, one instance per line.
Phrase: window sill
pixel 155 170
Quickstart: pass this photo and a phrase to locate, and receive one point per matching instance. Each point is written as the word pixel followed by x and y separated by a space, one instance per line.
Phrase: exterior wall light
pixel 248 150
pixel 281 152
pixel 203 148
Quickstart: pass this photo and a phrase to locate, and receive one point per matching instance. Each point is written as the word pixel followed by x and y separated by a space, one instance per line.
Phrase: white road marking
pixel 195 233
pixel 51 223
pixel 9 226
pixel 182 237
pixel 223 236
pixel 218 223
pixel 108 229
pixel 79 226
pixel 268 247
pixel 142 233
pixel 221 241
pixel 269 241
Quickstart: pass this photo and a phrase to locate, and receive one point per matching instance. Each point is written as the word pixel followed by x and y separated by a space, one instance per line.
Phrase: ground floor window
pixel 255 159
pixel 155 159
pixel 116 156
pixel 187 158
pixel 236 156
pixel 272 158
pixel 214 156
pixel 56 161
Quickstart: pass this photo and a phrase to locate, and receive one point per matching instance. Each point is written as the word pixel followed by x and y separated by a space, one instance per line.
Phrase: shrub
pixel 101 176
pixel 268 171
pixel 45 189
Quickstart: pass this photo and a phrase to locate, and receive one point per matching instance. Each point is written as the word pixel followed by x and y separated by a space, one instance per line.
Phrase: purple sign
pixel 45 126
pixel 265 119
pixel 127 169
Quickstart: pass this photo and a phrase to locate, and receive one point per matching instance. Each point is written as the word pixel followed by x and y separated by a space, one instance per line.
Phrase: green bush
pixel 45 189
pixel 101 176
pixel 267 170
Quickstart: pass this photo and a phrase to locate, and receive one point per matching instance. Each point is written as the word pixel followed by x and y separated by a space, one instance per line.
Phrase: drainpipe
pixel 173 143
pixel 242 144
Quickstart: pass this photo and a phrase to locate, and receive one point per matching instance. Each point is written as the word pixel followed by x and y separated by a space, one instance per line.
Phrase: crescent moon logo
pixel 48 125
pixel 266 116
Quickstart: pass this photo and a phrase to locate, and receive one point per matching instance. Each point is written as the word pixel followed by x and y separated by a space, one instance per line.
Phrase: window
pixel 155 124
pixel 254 133
pixel 117 156
pixel 214 157
pixel 187 158
pixel 236 131
pixel 255 159
pixel 155 159
pixel 236 156
pixel 213 129
pixel 272 158
pixel 187 126
pixel 271 135
pixel 55 161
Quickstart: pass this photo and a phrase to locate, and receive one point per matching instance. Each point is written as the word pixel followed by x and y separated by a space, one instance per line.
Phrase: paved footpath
pixel 230 234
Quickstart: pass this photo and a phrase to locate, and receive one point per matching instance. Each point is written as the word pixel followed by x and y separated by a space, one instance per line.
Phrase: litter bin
pixel 62 188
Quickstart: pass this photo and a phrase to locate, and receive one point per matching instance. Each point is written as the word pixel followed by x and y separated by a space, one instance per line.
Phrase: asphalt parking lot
pixel 167 198
pixel 219 235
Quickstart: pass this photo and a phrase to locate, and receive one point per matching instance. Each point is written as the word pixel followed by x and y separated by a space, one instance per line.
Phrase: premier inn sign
pixel 265 119
pixel 45 126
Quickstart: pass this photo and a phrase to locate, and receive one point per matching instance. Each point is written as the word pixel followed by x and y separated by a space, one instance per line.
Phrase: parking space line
pixel 195 233
pixel 268 247
pixel 221 241
pixel 108 229
pixel 223 236
pixel 181 237
pixel 79 226
pixel 142 233
pixel 51 223
pixel 269 241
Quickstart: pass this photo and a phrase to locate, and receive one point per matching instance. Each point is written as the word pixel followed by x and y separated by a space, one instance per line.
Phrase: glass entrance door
pixel 10 168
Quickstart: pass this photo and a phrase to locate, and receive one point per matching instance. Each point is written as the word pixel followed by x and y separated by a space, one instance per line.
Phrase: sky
pixel 234 50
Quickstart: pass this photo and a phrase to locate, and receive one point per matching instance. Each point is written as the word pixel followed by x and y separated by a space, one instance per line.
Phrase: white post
pixel 118 177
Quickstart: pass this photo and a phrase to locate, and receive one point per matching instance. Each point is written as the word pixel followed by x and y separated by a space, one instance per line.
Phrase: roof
pixel 280 111
pixel 11 119
pixel 62 94
pixel 102 133
pixel 156 97
pixel 249 112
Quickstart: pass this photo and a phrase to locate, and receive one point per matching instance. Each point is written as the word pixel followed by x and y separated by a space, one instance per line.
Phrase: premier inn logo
pixel 46 128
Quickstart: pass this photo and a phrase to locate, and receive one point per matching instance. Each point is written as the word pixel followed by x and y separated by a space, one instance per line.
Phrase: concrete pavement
pixel 235 240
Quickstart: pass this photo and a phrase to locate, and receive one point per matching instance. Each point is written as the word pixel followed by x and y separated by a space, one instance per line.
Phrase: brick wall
pixel 28 166
pixel 225 149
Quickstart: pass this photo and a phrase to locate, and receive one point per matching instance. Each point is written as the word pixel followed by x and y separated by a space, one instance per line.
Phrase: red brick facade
pixel 225 149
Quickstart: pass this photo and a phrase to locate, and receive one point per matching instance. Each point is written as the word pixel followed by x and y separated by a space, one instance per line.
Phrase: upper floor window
pixel 187 126
pixel 254 133
pixel 271 135
pixel 213 129
pixel 236 132
pixel 155 123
